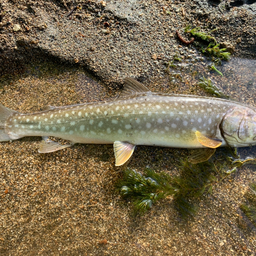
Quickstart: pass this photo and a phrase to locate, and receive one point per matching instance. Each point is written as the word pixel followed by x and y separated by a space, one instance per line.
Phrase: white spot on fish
pixel 16 125
pixel 47 128
pixel 173 125
pixel 63 128
pixel 185 123
pixel 31 126
pixel 59 121
pixel 183 131
pixel 189 112
pixel 177 135
pixel 105 113
pixel 66 115
pixel 27 120
pixel 71 132
pixel 51 115
pixel 108 130
pixel 148 125
pixel 100 124
pixel 171 114
pixel 166 128
pixel 158 107
pixel 159 120
pixel 46 119
pixel 91 121
pixel 120 131
pixel 194 129
pixel 54 128
pixel 143 132
pixel 149 113
pixel 199 120
pixel 128 126
pixel 79 113
pixel 137 120
pixel 72 123
pixel 117 107
pixel 126 115
pixel 155 131
pixel 209 121
pixel 82 127
pixel 114 121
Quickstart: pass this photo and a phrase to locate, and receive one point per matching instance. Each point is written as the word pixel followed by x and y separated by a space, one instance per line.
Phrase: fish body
pixel 140 117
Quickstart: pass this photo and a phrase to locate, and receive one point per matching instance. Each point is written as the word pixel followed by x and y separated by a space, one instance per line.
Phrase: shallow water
pixel 73 192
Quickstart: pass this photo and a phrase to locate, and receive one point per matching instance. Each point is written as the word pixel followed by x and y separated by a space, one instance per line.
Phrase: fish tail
pixel 5 113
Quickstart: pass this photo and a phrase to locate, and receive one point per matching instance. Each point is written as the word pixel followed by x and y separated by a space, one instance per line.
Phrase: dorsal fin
pixel 133 87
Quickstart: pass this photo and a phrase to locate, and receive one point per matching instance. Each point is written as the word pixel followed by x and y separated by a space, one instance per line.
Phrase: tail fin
pixel 5 113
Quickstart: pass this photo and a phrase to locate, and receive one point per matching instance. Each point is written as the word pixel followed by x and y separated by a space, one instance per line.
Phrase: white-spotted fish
pixel 139 117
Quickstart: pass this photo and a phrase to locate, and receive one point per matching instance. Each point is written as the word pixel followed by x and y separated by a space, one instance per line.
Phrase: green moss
pixel 209 87
pixel 201 35
pixel 208 45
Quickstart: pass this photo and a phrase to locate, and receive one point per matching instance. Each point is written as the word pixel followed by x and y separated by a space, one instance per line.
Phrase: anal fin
pixel 123 151
pixel 206 141
pixel 201 155
pixel 48 146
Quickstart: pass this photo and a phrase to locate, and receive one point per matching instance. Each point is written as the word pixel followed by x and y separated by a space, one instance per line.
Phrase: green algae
pixel 209 87
pixel 187 190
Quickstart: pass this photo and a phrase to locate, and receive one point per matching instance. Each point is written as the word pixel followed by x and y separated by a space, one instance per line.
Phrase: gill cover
pixel 238 127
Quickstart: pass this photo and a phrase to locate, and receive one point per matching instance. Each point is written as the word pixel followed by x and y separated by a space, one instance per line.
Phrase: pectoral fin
pixel 123 151
pixel 207 142
pixel 201 155
pixel 48 146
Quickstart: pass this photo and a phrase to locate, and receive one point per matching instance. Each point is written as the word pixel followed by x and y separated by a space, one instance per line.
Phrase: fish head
pixel 238 127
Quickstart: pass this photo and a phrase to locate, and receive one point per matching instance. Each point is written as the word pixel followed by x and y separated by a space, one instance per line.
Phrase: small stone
pixel 16 27
pixel 154 56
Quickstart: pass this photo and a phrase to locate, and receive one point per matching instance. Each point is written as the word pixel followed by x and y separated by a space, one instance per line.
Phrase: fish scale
pixel 139 117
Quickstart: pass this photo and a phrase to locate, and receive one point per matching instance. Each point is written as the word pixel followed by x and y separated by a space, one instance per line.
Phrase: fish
pixel 139 117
